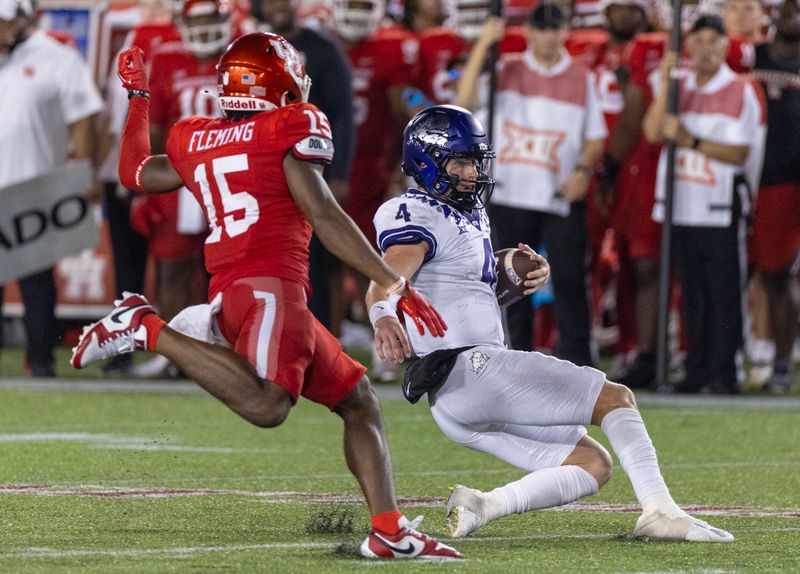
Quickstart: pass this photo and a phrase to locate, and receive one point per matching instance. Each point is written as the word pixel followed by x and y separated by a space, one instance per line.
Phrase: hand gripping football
pixel 513 265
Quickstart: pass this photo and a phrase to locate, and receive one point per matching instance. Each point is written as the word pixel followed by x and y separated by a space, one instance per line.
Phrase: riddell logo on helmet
pixel 243 104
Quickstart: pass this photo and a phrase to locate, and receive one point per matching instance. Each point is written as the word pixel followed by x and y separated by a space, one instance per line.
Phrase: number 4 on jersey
pixel 402 213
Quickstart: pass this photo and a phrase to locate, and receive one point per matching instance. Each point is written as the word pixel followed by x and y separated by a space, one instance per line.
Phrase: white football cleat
pixel 119 332
pixel 465 510
pixel 407 543
pixel 677 525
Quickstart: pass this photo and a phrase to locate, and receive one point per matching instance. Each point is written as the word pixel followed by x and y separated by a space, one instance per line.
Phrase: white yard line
pixel 43 553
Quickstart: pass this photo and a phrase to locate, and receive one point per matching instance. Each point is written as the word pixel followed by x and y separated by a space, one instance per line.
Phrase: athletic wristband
pixel 396 287
pixel 140 93
pixel 380 310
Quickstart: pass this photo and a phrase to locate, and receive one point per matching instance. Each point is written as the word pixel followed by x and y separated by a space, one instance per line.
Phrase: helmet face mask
pixel 469 18
pixel 438 135
pixel 260 72
pixel 205 27
pixel 355 20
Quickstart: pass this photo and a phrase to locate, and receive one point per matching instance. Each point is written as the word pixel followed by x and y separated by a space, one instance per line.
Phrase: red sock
pixel 387 521
pixel 153 323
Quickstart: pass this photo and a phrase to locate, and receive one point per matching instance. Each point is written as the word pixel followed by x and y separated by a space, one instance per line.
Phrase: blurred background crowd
pixel 578 125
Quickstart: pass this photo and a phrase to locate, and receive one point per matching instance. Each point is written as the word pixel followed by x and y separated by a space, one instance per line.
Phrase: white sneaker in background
pixel 155 368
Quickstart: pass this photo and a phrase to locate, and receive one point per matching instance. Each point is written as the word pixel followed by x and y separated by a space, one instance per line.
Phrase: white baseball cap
pixel 10 9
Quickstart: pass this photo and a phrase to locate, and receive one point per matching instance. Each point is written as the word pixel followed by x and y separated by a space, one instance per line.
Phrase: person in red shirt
pixel 605 52
pixel 382 59
pixel 442 53
pixel 258 173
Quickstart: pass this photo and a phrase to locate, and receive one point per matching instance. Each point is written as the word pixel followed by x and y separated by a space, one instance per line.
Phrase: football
pixel 512 267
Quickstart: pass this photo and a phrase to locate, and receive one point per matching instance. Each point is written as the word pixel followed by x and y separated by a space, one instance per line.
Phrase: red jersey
pixel 235 171
pixel 181 85
pixel 439 48
pixel 514 41
pixel 152 38
pixel 383 61
pixel 593 48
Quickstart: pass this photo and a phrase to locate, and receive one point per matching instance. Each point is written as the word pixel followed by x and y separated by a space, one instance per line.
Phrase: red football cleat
pixel 119 332
pixel 407 543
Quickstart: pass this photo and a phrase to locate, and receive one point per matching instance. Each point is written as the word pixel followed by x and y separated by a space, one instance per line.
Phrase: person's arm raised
pixel 138 169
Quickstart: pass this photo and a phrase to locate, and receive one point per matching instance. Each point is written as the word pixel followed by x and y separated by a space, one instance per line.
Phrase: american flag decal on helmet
pixel 249 79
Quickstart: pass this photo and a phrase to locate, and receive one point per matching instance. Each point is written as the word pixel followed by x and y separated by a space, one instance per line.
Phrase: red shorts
pixel 633 213
pixel 268 323
pixel 776 227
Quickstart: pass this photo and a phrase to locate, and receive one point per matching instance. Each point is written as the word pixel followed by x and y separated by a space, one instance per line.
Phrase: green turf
pixel 711 456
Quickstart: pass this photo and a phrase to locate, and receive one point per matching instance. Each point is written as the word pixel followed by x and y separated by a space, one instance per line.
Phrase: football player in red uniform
pixel 258 174
pixel 382 59
pixel 443 50
pixel 605 51
pixel 441 53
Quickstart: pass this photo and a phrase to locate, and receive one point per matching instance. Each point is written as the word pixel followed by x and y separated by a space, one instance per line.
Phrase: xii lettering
pixel 694 167
pixel 532 146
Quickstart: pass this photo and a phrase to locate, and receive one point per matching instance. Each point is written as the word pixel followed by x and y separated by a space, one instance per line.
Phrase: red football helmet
pixel 206 26
pixel 261 72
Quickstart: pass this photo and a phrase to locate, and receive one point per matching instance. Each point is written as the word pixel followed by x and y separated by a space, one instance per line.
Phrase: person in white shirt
pixel 549 134
pixel 47 106
pixel 525 408
pixel 719 135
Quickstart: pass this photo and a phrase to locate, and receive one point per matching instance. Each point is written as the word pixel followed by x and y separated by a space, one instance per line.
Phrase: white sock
pixel 628 436
pixel 544 488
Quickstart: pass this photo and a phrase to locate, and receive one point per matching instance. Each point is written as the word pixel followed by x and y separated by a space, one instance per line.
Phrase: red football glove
pixel 417 307
pixel 131 69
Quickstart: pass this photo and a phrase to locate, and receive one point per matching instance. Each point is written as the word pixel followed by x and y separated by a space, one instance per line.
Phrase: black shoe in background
pixel 119 365
pixel 642 374
pixel 716 387
pixel 43 370
pixel 686 387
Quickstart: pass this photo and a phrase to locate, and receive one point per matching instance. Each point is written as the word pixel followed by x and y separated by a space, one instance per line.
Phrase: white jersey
pixel 543 117
pixel 46 88
pixel 725 110
pixel 458 275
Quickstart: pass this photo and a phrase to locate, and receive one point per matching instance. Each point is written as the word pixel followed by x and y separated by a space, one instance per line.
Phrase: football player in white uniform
pixel 526 408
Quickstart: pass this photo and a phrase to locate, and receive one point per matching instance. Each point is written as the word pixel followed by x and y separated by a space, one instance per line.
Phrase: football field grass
pixel 102 477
